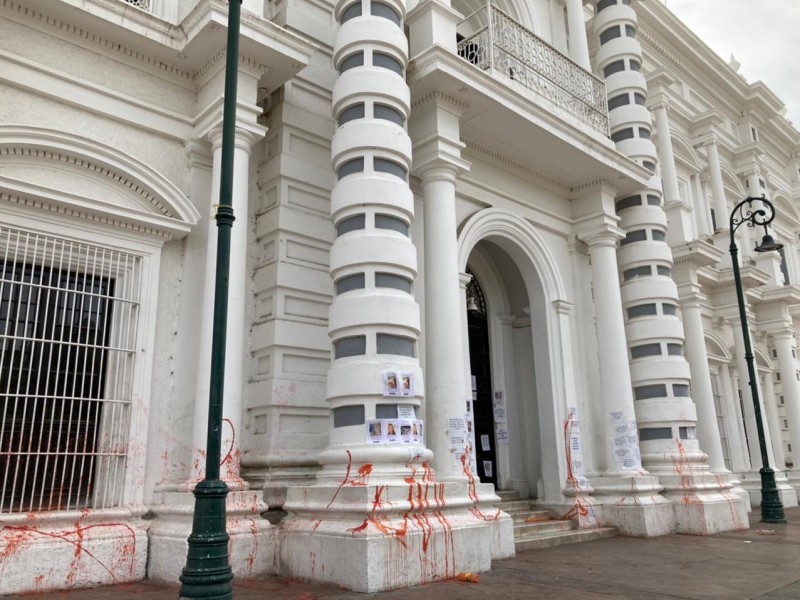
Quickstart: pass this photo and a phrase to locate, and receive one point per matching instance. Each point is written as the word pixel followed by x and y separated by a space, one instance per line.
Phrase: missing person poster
pixel 394 431
pixel 398 383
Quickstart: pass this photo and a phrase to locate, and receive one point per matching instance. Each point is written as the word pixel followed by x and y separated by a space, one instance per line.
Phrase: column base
pixel 633 505
pixel 70 550
pixel 704 502
pixel 252 545
pixel 751 482
pixel 372 538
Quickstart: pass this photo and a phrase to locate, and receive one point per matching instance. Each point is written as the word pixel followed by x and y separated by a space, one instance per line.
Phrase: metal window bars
pixel 494 42
pixel 68 322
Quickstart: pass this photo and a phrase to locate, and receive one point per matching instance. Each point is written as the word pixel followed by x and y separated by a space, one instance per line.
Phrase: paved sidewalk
pixel 762 563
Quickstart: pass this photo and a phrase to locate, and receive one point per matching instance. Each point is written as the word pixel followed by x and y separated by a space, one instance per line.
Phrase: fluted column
pixel 771 413
pixel 578 43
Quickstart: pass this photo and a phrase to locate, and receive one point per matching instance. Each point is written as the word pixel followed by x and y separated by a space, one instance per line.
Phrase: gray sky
pixel 763 35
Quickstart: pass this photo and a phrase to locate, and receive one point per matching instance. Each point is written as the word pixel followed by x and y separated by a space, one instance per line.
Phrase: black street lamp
pixel 208 573
pixel 771 505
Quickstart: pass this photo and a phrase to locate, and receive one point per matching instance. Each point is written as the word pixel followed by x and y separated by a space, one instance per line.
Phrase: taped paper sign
pixel 398 383
pixel 625 440
pixel 394 431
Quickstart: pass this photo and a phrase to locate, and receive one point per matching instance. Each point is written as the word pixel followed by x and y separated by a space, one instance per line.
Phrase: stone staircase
pixel 534 528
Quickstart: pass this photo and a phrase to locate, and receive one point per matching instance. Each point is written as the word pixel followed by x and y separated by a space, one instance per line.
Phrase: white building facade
pixel 478 248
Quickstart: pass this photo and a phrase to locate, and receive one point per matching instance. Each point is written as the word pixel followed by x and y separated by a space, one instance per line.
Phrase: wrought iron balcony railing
pixel 498 44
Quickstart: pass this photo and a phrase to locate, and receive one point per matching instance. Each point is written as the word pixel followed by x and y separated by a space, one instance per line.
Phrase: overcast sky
pixel 763 35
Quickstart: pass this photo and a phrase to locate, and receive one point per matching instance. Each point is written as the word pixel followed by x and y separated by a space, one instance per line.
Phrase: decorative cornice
pixel 439 97
pixel 686 70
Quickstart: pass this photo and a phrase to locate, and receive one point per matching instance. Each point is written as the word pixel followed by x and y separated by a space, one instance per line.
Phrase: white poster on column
pixel 625 440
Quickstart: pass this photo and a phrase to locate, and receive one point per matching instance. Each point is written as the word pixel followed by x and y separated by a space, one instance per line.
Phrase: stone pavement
pixel 763 563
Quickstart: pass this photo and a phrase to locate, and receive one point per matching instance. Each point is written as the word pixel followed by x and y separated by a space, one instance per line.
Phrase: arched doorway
pixel 517 347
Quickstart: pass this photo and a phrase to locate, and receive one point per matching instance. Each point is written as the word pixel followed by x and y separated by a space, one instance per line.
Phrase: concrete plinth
pixel 70 550
pixel 372 538
pixel 751 482
pixel 704 503
pixel 633 505
pixel 252 538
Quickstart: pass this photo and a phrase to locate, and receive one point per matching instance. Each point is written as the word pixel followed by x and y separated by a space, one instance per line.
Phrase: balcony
pixel 496 43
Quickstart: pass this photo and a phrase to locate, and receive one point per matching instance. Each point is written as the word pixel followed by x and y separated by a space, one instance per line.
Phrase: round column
pixel 717 186
pixel 578 43
pixel 443 308
pixel 374 320
pixel 615 379
pixel 668 173
pixel 703 394
pixel 787 364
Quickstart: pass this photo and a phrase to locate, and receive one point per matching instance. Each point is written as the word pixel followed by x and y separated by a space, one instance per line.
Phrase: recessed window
pixel 644 392
pixel 387 61
pixel 604 4
pixel 390 280
pixel 350 283
pixel 350 224
pixel 635 65
pixel 392 223
pixel 354 165
pixel 648 434
pixel 346 416
pixel 649 165
pixel 352 61
pixel 645 350
pixel 622 134
pixel 628 202
pixel 610 34
pixel 639 235
pixel 619 101
pixel 350 346
pixel 644 133
pixel 384 165
pixel 670 310
pixel 379 9
pixel 658 235
pixel 387 113
pixel 351 113
pixel 639 99
pixel 642 310
pixel 653 200
pixel 395 344
pixel 645 271
pixel 630 31
pixel 615 67
pixel 680 390
pixel 687 433
pixel 663 270
pixel 675 349
pixel 351 12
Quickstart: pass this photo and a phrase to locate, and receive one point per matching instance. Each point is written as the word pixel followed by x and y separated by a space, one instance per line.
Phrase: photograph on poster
pixel 394 431
pixel 398 383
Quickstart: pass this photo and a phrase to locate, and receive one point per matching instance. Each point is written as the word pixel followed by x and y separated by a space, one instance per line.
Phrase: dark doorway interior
pixel 482 405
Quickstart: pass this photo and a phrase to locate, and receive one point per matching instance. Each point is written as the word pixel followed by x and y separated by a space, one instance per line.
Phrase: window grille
pixel 68 322
pixel 143 4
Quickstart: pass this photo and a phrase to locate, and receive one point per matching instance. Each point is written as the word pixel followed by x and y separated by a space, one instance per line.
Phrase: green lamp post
pixel 208 573
pixel 745 212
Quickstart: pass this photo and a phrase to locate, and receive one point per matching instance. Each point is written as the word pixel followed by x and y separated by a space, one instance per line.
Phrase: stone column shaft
pixel 578 43
pixel 444 366
pixel 717 186
pixel 703 394
pixel 666 155
pixel 791 387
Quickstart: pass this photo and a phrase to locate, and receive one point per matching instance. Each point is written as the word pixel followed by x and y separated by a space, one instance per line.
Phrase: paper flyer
pixel 398 383
pixel 394 431
pixel 625 441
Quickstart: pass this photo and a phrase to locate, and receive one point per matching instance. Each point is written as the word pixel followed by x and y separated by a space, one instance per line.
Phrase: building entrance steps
pixel 537 528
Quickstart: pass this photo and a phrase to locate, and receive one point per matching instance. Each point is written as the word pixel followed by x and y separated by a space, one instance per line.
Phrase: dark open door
pixel 482 405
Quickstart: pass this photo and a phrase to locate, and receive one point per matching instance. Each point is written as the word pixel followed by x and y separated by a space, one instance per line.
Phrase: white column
pixel 771 415
pixel 235 338
pixel 791 388
pixel 747 402
pixel 444 365
pixel 666 155
pixel 707 427
pixel 717 187
pixel 615 382
pixel 740 455
pixel 578 44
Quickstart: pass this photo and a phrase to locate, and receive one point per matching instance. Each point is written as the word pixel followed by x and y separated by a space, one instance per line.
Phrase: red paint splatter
pixel 361 478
